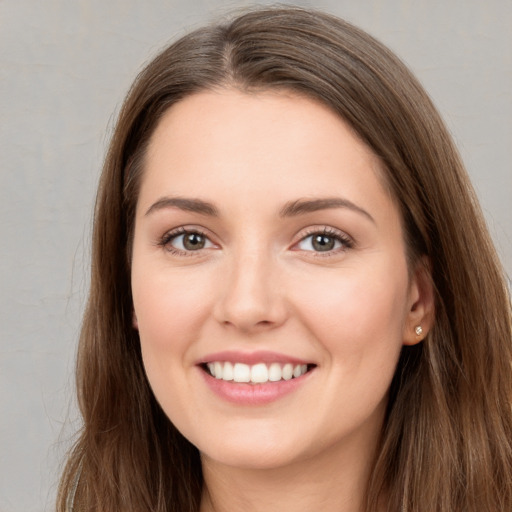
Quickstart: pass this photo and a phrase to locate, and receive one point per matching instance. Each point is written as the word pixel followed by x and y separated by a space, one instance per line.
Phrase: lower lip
pixel 253 394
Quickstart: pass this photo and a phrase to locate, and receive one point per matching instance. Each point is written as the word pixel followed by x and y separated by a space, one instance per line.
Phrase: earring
pixel 418 330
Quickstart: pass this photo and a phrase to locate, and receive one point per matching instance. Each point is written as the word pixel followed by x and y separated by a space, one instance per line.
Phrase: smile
pixel 259 373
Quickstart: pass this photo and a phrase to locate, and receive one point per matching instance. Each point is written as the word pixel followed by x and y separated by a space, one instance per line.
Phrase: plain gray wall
pixel 64 68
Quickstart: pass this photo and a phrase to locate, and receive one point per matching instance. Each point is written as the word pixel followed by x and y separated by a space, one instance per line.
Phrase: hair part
pixel 446 442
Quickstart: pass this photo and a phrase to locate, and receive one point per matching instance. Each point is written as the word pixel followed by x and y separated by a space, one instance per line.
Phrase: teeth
pixel 287 371
pixel 274 372
pixel 218 370
pixel 257 373
pixel 299 370
pixel 241 372
pixel 227 372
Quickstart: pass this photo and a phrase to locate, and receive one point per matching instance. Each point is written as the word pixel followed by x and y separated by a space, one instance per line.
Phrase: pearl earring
pixel 418 330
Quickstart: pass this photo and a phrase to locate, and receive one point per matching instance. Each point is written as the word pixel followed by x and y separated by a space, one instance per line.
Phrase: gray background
pixel 64 68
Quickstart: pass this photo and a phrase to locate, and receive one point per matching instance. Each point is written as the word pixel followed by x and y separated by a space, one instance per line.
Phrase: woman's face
pixel 270 285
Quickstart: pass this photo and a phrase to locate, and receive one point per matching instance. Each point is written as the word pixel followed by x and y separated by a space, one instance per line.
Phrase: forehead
pixel 250 156
pixel 248 152
pixel 259 135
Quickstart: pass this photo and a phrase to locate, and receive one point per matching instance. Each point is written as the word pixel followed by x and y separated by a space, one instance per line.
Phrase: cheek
pixel 162 299
pixel 357 315
pixel 170 311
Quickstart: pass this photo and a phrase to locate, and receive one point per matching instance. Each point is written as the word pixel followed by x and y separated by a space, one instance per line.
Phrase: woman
pixel 294 299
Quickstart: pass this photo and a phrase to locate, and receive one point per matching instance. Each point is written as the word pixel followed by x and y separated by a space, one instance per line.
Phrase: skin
pixel 258 283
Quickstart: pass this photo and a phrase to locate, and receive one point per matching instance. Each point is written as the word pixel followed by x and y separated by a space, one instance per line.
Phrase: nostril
pixel 250 299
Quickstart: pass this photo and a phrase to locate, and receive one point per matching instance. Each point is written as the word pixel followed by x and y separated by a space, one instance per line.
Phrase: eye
pixel 186 241
pixel 324 241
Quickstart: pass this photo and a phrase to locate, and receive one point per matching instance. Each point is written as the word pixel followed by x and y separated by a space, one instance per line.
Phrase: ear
pixel 135 323
pixel 421 304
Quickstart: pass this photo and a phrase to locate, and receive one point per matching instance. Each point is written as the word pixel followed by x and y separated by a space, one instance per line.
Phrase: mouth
pixel 259 373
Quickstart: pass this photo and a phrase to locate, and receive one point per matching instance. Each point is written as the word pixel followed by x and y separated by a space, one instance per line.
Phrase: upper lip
pixel 251 358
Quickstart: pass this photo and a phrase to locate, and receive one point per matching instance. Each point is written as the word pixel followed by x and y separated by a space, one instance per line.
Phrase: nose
pixel 252 297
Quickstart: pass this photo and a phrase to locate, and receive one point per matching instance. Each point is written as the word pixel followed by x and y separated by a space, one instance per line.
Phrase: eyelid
pixel 165 240
pixel 346 240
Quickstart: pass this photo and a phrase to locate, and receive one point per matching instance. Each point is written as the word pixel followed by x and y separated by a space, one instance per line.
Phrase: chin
pixel 252 450
pixel 260 450
pixel 251 458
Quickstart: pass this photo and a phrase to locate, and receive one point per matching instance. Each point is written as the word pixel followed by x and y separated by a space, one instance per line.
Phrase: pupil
pixel 193 241
pixel 323 243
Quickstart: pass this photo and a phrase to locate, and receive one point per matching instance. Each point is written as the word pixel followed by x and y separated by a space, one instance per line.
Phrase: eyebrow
pixel 183 203
pixel 290 209
pixel 302 206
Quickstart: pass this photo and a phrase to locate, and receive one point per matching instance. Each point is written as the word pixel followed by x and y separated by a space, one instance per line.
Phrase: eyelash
pixel 165 241
pixel 345 241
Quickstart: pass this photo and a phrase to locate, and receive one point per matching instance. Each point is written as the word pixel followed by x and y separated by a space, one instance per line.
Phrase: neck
pixel 336 481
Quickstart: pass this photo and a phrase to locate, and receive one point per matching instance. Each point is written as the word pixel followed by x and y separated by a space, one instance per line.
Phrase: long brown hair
pixel 446 441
